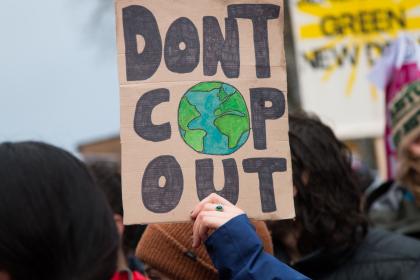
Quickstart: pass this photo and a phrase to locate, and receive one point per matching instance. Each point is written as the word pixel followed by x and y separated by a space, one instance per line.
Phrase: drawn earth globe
pixel 213 118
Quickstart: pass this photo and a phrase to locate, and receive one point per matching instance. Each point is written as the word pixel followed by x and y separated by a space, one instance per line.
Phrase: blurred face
pixel 4 276
pixel 119 223
pixel 153 274
pixel 414 147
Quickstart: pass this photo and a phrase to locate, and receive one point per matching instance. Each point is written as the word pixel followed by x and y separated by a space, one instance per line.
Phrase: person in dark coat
pixel 330 237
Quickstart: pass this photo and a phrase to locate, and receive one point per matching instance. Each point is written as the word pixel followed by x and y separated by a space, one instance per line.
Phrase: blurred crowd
pixel 61 218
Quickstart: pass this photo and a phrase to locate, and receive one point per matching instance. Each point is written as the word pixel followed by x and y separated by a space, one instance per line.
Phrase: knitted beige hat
pixel 168 249
pixel 405 116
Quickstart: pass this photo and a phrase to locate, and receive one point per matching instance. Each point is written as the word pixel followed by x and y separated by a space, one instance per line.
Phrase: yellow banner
pixel 358 18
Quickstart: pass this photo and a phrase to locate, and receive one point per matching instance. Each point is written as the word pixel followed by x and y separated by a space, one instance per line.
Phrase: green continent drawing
pixel 213 118
pixel 194 137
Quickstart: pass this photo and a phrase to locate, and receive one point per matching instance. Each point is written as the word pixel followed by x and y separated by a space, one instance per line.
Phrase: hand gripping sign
pixel 203 107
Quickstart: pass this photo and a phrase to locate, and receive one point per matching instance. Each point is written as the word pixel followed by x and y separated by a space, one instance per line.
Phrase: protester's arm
pixel 234 247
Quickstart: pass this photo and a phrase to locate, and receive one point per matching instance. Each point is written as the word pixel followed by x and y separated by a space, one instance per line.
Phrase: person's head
pixel 54 221
pixel 327 197
pixel 107 175
pixel 167 251
pixel 405 121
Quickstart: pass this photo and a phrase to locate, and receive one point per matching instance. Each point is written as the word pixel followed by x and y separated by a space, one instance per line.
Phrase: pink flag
pixel 398 66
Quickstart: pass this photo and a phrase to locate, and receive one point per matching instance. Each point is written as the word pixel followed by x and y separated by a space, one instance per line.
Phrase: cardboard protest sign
pixel 203 107
pixel 337 43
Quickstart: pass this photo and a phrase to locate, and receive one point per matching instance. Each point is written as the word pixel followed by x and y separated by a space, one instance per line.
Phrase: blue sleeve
pixel 238 253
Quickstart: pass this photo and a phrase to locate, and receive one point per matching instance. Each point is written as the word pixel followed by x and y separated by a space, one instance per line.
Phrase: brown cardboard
pixel 137 152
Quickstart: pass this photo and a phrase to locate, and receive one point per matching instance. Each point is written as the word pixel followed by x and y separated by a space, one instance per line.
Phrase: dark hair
pixel 108 177
pixel 54 221
pixel 328 199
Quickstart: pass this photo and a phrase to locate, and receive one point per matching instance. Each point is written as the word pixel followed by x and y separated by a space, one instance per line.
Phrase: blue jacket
pixel 238 254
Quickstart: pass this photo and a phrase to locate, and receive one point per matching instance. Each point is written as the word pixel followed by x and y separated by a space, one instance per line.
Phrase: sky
pixel 58 72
